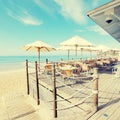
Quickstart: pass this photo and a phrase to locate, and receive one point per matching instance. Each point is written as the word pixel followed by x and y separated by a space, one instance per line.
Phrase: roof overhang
pixel 108 17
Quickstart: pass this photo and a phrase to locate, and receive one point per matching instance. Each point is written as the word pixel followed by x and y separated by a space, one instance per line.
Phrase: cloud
pixel 72 9
pixel 42 5
pixel 29 21
pixel 97 29
pixel 47 5
pixel 21 14
pixel 24 17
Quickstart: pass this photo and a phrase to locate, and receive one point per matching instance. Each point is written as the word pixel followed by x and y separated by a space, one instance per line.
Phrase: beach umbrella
pixel 102 48
pixel 76 42
pixel 70 48
pixel 88 49
pixel 115 50
pixel 39 46
pixel 66 48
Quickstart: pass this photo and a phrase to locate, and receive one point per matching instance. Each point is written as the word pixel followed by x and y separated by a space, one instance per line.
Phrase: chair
pixel 72 73
pixel 68 75
pixel 116 72
pixel 48 68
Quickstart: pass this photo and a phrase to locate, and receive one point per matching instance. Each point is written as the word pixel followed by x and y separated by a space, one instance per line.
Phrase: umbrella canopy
pixel 39 46
pixel 67 48
pixel 88 49
pixel 102 48
pixel 115 50
pixel 76 41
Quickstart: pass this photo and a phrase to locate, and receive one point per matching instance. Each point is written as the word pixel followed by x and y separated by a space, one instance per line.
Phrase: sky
pixel 51 21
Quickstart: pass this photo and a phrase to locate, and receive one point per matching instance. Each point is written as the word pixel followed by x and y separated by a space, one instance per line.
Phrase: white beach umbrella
pixel 114 52
pixel 115 49
pixel 67 48
pixel 88 49
pixel 102 48
pixel 39 46
pixel 76 42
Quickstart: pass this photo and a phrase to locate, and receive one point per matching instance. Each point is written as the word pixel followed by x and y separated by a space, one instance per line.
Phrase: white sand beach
pixel 12 85
pixel 13 90
pixel 12 81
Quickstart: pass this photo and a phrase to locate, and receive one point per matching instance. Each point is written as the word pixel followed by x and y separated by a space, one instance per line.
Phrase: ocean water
pixel 16 62
pixel 18 59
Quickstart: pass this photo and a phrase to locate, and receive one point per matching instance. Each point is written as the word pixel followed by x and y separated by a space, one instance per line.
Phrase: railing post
pixel 95 90
pixel 37 83
pixel 54 92
pixel 27 74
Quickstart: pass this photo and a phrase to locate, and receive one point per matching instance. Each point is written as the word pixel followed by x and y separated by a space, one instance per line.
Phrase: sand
pixel 13 83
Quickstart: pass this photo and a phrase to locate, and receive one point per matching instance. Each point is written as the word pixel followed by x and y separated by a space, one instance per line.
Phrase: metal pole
pixel 68 54
pixel 76 51
pixel 54 92
pixel 39 59
pixel 28 89
pixel 37 83
pixel 95 90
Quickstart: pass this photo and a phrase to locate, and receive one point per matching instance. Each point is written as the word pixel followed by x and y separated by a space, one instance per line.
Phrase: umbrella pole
pixel 91 54
pixel 68 54
pixel 81 53
pixel 39 59
pixel 76 51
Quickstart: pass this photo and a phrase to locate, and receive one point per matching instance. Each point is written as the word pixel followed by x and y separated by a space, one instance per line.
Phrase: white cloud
pixel 22 15
pixel 29 20
pixel 25 18
pixel 72 9
pixel 41 5
pixel 48 8
pixel 97 29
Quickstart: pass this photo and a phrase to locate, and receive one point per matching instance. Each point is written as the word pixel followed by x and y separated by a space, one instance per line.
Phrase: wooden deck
pixel 109 98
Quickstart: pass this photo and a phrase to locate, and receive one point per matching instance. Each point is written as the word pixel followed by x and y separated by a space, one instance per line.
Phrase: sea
pixel 17 62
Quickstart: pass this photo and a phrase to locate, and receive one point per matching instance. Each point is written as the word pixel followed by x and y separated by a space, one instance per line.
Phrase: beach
pixel 12 81
pixel 13 92
pixel 65 67
pixel 13 85
pixel 13 88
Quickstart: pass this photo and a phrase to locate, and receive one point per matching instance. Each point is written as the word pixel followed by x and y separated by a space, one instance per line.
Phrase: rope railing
pixel 36 77
pixel 94 94
pixel 72 95
pixel 75 104
pixel 71 86
pixel 87 91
